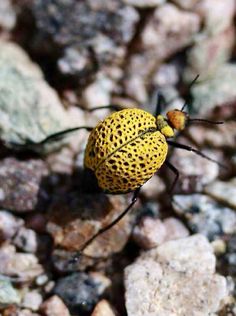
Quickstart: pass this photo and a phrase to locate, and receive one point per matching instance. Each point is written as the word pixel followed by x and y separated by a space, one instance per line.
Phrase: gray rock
pixel 177 278
pixel 204 215
pixel 32 300
pixel 9 224
pixel 23 267
pixel 215 91
pixel 26 240
pixel 20 183
pixel 8 294
pixel 224 192
pixel 30 110
pixel 80 291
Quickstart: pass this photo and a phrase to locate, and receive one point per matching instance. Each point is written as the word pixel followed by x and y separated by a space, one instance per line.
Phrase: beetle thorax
pixel 164 127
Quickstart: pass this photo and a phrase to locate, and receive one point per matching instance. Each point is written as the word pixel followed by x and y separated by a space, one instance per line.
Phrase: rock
pixel 204 215
pixel 103 308
pixel 217 15
pixel 178 278
pixel 81 291
pixel 215 92
pixel 152 232
pixel 195 171
pixel 21 184
pixel 30 110
pixel 144 3
pixel 32 300
pixel 208 54
pixel 8 294
pixel 92 34
pixel 23 267
pixel 26 240
pixel 74 218
pixel 7 15
pixel 9 224
pixel 54 306
pixel 224 192
pixel 166 75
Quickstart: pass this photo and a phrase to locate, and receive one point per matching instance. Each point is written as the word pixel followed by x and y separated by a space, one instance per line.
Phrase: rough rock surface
pixel 177 278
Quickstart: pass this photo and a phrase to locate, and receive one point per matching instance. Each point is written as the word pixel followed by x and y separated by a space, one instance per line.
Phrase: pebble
pixel 26 240
pixel 204 215
pixel 32 300
pixel 9 224
pixel 177 278
pixel 21 184
pixel 73 219
pixel 153 188
pixel 224 192
pixel 215 92
pixel 30 109
pixel 8 294
pixel 7 15
pixel 166 75
pixel 152 232
pixel 186 4
pixel 23 267
pixel 81 291
pixel 103 308
pixel 54 306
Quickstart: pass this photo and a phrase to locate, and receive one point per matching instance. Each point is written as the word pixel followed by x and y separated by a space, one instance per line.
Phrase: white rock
pixel 144 3
pixel 32 300
pixel 175 279
pixel 9 224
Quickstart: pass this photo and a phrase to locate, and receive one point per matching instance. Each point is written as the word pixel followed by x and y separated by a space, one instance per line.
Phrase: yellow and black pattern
pixel 122 153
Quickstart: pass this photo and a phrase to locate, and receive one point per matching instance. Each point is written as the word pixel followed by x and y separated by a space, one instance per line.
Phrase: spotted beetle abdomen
pixel 125 150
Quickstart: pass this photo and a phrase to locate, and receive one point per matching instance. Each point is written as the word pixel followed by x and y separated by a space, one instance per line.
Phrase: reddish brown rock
pixel 54 306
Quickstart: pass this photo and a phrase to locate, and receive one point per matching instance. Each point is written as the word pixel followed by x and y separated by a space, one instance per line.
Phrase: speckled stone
pixel 8 294
pixel 223 191
pixel 177 278
pixel 204 215
pixel 21 184
pixel 81 291
pixel 26 240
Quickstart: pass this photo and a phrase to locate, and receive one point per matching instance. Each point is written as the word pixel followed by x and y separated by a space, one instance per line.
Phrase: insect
pixel 128 147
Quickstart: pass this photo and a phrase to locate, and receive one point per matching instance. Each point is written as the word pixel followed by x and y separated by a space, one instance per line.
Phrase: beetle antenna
pixel 189 87
pixel 205 121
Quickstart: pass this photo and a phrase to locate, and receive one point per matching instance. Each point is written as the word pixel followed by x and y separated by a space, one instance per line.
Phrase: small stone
pixel 215 92
pixel 54 306
pixel 219 246
pixel 175 229
pixel 204 215
pixel 80 291
pixel 26 240
pixel 21 183
pixel 144 3
pixel 166 75
pixel 149 233
pixel 224 192
pixel 23 267
pixel 103 308
pixel 32 300
pixel 178 278
pixel 8 294
pixel 9 225
pixel 7 15
pixel 41 280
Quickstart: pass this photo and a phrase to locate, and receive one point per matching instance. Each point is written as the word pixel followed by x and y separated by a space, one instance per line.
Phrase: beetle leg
pixel 196 151
pixel 113 107
pixel 176 172
pixel 160 102
pixel 75 258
